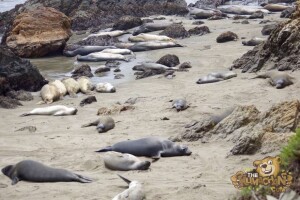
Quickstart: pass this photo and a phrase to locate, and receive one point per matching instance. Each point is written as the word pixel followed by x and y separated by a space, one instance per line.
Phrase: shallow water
pixel 6 5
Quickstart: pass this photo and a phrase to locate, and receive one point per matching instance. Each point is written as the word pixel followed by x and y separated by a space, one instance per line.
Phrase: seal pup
pixel 60 86
pixel 143 37
pixel 179 104
pixel 57 110
pixel 32 171
pixel 49 94
pixel 85 50
pixel 72 86
pixel 153 147
pixel 105 88
pixel 85 84
pixel 99 56
pixel 134 192
pixel 103 124
pixel 152 45
pixel 124 162
pixel 278 79
pixel 253 42
pixel 216 77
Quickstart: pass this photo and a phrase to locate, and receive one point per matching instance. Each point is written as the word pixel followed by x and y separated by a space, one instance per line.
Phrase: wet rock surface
pixel 175 31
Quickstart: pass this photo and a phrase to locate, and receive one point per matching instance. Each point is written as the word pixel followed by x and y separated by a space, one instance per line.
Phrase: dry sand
pixel 60 142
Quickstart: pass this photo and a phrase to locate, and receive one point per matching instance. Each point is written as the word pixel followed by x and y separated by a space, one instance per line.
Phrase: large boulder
pixel 169 60
pixel 38 32
pixel 208 3
pixel 226 37
pixel 175 31
pixel 127 22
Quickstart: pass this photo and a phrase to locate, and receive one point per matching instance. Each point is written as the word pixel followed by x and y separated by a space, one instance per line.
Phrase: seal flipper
pixel 25 114
pixel 124 179
pixel 83 179
pixel 109 148
pixel 95 123
pixel 15 180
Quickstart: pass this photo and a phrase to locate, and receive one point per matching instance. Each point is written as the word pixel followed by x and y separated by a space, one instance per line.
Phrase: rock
pixel 175 31
pixel 9 103
pixel 208 3
pixel 185 65
pixel 116 109
pixel 18 74
pixel 245 22
pixel 119 76
pixel 199 30
pixel 127 22
pixel 265 21
pixel 287 13
pixel 20 95
pixel 30 129
pixel 83 70
pixel 112 63
pixel 169 60
pixel 105 40
pixel 257 15
pixel 267 29
pixel 117 70
pixel 226 37
pixel 198 22
pixel 215 17
pixel 87 100
pixel 102 69
pixel 238 17
pixel 147 20
pixel 30 37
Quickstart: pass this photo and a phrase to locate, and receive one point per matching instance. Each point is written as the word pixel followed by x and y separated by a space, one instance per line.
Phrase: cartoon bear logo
pixel 269 166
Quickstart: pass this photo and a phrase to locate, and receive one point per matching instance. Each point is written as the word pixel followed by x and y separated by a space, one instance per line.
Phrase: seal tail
pixel 109 148
pixel 25 114
pixel 124 179
pixel 83 179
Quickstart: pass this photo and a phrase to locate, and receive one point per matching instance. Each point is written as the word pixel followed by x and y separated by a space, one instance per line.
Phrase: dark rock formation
pixel 169 60
pixel 175 31
pixel 83 70
pixel 208 3
pixel 226 37
pixel 127 22
pixel 199 30
pixel 287 13
pixel 267 29
pixel 102 69
pixel 9 103
pixel 20 95
pixel 257 15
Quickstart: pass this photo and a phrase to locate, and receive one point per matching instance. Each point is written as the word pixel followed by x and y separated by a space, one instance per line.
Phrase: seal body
pixel 50 93
pixel 154 147
pixel 180 104
pixel 124 162
pixel 152 45
pixel 105 88
pixel 57 110
pixel 85 85
pixel 278 79
pixel 32 171
pixel 85 50
pixel 143 37
pixel 134 192
pixel 216 77
pixel 275 7
pixel 72 86
pixel 149 27
pixel 61 87
pixel 118 51
pixel 99 56
pixel 108 33
pixel 103 124
pixel 253 42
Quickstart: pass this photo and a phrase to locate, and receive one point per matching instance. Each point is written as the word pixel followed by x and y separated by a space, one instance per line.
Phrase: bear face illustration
pixel 269 166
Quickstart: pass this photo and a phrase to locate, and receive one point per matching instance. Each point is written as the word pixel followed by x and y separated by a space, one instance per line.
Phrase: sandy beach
pixel 61 142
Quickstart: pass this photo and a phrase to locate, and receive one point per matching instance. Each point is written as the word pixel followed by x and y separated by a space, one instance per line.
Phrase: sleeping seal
pixel 216 77
pixel 278 79
pixel 143 37
pixel 85 50
pixel 60 86
pixel 103 124
pixel 275 7
pixel 149 27
pixel 108 33
pixel 152 45
pixel 118 51
pixel 57 110
pixel 99 56
pixel 179 104
pixel 32 171
pixel 124 162
pixel 154 147
pixel 134 192
pixel 49 93
pixel 105 88
pixel 253 42
pixel 85 85
pixel 72 86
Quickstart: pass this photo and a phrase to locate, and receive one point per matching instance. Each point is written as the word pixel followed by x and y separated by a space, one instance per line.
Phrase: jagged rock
pixel 9 103
pixel 257 15
pixel 30 37
pixel 102 69
pixel 226 37
pixel 169 60
pixel 127 22
pixel 199 30
pixel 287 13
pixel 20 95
pixel 175 31
pixel 83 70
pixel 267 29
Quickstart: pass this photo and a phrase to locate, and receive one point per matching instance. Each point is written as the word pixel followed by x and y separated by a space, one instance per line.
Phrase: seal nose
pixel 75 111
pixel 264 166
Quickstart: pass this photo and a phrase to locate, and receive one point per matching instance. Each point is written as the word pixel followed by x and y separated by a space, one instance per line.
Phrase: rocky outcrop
pixel 175 31
pixel 169 60
pixel 226 37
pixel 83 70
pixel 246 127
pixel 208 3
pixel 280 51
pixel 267 29
pixel 199 30
pixel 127 22
pixel 287 13
pixel 38 32
pixel 89 13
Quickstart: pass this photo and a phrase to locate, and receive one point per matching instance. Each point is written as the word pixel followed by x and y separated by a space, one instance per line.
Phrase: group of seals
pixel 32 171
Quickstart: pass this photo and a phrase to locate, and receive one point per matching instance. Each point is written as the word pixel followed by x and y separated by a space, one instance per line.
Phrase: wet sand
pixel 60 142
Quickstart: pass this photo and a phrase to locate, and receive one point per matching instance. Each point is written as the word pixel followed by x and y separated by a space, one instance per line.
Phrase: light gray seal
pixel 32 171
pixel 124 162
pixel 216 77
pixel 179 104
pixel 103 124
pixel 134 192
pixel 149 27
pixel 278 79
pixel 58 110
pixel 253 42
pixel 85 50
pixel 99 56
pixel 152 45
pixel 153 147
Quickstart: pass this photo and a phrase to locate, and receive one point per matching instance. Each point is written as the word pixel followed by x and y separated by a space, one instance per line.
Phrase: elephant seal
pixel 149 27
pixel 85 50
pixel 118 51
pixel 49 94
pixel 240 9
pixel 85 85
pixel 143 37
pixel 216 77
pixel 134 192
pixel 105 88
pixel 154 147
pixel 72 86
pixel 276 7
pixel 152 45
pixel 57 110
pixel 99 56
pixel 124 162
pixel 179 104
pixel 61 87
pixel 115 33
pixel 278 79
pixel 253 42
pixel 103 124
pixel 32 171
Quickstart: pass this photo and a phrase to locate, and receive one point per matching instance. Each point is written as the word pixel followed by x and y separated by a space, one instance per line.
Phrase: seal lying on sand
pixel 85 50
pixel 103 124
pixel 118 51
pixel 57 110
pixel 72 86
pixel 85 84
pixel 108 33
pixel 49 94
pixel 275 7
pixel 253 42
pixel 32 171
pixel 124 162
pixel 60 86
pixel 143 37
pixel 152 45
pixel 105 88
pixel 179 104
pixel 154 147
pixel 134 192
pixel 149 27
pixel 278 79
pixel 216 77
pixel 99 56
